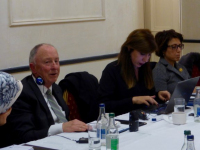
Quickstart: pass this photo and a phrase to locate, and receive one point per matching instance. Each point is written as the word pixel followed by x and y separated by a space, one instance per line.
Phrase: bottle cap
pixel 187 132
pixel 102 105
pixel 190 137
pixel 111 115
pixel 154 119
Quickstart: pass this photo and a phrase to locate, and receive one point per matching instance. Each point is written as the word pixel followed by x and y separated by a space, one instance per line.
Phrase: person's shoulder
pixel 112 65
pixel 112 68
pixel 26 80
pixel 54 85
pixel 159 66
pixel 29 86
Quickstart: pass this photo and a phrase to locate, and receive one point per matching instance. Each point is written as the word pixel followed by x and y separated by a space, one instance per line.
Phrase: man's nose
pixel 54 64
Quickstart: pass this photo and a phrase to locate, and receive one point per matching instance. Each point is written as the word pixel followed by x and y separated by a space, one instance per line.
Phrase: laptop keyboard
pixel 160 109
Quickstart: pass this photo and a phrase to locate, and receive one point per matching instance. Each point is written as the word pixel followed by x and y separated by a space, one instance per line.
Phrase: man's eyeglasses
pixel 175 46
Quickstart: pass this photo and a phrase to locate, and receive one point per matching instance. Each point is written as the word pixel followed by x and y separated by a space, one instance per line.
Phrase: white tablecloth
pixel 160 135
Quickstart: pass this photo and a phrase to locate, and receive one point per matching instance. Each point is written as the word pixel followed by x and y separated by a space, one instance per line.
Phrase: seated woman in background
pixel 127 82
pixel 167 72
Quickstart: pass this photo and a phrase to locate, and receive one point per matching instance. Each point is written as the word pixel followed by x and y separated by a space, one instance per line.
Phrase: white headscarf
pixel 10 89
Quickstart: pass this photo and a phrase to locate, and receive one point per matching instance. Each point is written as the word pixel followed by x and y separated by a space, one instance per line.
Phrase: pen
pixel 123 130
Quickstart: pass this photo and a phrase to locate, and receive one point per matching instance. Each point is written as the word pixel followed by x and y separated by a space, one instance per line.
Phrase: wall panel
pixel 35 21
pixel 23 12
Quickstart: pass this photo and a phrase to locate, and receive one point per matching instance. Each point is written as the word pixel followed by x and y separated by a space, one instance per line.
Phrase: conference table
pixel 160 135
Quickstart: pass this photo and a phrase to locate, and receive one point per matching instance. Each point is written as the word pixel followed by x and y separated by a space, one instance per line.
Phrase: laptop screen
pixel 184 90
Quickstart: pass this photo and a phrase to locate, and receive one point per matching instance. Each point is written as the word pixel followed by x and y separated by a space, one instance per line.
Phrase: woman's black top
pixel 114 92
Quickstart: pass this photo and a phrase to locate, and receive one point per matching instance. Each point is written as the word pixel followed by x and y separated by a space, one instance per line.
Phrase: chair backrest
pixel 196 73
pixel 83 86
pixel 71 103
pixel 189 60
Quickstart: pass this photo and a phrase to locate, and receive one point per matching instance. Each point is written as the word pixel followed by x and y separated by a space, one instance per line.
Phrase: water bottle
pixel 102 121
pixel 186 133
pixel 133 121
pixel 196 104
pixel 190 142
pixel 112 137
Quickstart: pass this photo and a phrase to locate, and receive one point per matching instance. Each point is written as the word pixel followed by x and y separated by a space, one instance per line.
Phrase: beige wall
pixel 180 15
pixel 100 30
pixel 162 15
pixel 94 67
pixel 78 29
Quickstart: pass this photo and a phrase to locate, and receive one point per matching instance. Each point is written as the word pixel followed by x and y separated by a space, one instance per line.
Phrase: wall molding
pixel 64 62
pixel 62 12
pixel 191 41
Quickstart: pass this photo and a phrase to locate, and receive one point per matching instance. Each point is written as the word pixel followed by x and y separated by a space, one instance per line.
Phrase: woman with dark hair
pixel 127 82
pixel 167 72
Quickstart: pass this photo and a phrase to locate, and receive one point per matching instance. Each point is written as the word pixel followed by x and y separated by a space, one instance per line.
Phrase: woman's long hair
pixel 143 41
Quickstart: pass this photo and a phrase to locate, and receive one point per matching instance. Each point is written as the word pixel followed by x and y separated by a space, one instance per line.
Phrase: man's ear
pixel 32 66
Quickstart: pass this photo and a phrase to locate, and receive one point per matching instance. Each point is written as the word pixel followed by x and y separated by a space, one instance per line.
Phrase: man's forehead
pixel 47 52
pixel 46 47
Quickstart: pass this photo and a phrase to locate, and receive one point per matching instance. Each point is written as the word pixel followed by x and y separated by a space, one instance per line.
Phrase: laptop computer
pixel 183 89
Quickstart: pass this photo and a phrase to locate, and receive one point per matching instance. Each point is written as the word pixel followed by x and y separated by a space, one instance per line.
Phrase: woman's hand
pixel 164 95
pixel 147 100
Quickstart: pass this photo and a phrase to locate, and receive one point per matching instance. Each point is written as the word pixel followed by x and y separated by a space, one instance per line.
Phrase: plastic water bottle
pixel 190 142
pixel 186 133
pixel 196 104
pixel 103 122
pixel 112 137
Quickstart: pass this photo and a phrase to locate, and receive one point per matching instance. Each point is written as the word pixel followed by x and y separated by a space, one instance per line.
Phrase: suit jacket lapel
pixel 41 99
pixel 178 70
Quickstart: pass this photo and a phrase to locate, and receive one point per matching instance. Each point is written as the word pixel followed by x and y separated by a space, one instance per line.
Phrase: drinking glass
pixel 94 140
pixel 179 105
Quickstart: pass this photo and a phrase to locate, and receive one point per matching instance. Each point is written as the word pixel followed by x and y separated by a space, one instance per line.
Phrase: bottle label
pixel 114 144
pixel 98 133
pixel 198 111
pixel 102 133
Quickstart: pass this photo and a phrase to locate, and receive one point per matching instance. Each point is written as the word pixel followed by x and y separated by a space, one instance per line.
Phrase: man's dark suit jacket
pixel 31 118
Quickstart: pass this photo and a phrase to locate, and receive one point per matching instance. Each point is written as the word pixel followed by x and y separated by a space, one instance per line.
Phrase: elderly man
pixel 40 110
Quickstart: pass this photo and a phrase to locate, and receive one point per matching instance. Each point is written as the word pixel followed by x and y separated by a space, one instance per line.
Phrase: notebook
pixel 183 89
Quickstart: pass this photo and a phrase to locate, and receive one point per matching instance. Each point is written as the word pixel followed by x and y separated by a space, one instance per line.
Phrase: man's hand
pixel 74 125
pixel 164 95
pixel 144 100
pixel 4 116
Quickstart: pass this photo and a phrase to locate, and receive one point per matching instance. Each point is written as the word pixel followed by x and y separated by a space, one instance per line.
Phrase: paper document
pixel 17 147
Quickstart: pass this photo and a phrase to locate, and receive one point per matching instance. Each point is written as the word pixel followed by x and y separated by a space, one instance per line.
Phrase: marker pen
pixel 123 130
pixel 156 119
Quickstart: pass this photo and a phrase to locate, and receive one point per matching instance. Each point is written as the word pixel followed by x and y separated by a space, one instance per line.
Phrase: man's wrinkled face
pixel 46 64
